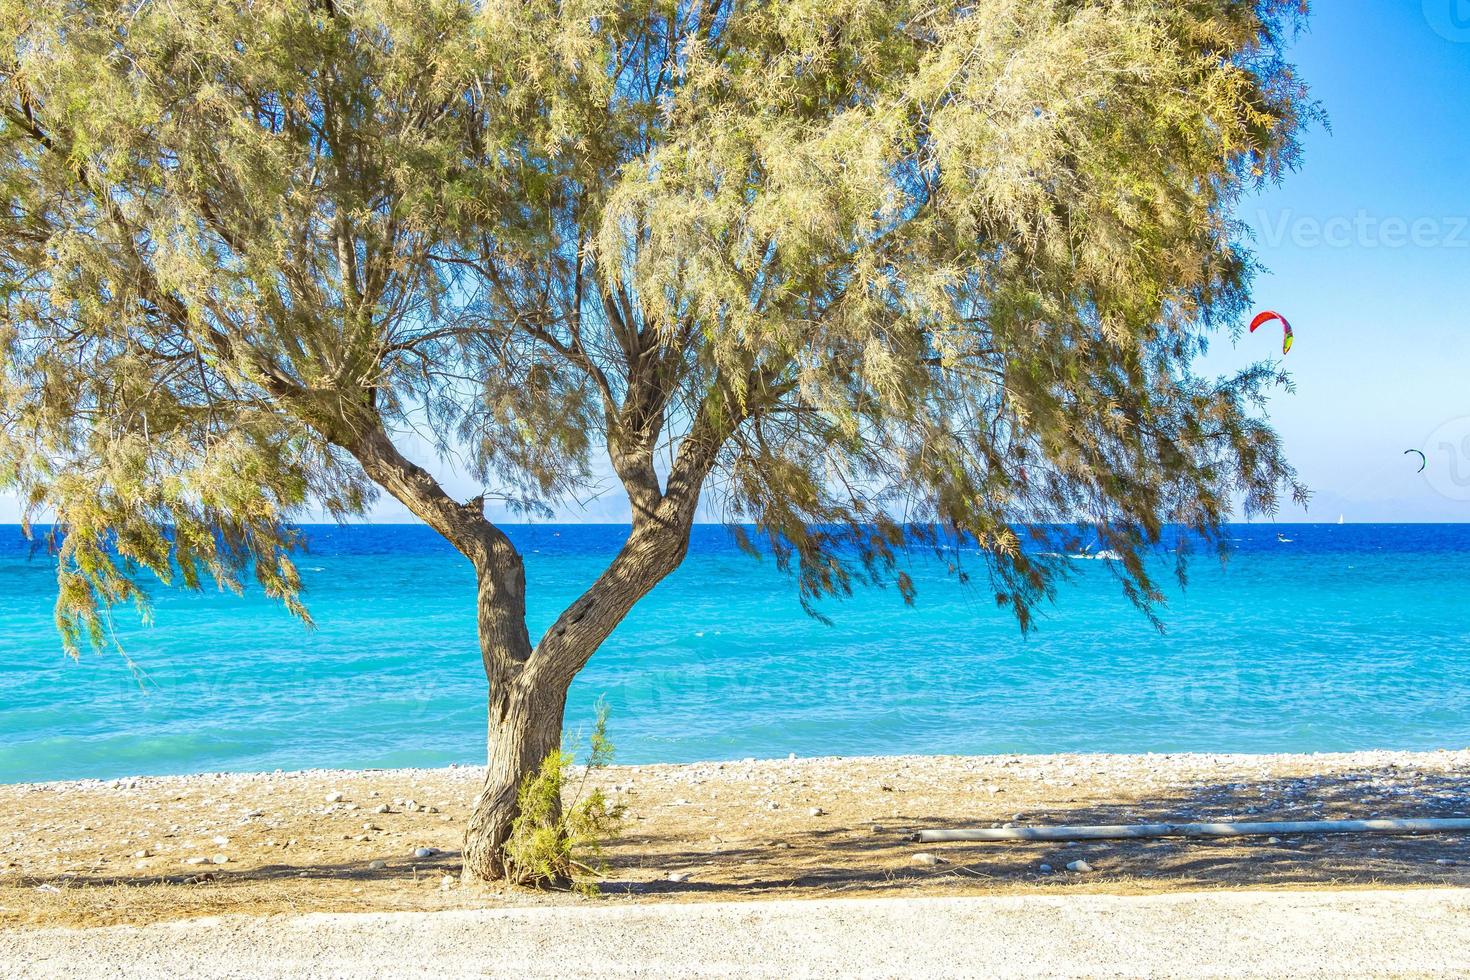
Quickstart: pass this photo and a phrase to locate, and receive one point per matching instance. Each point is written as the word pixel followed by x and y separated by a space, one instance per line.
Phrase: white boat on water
pixel 1106 555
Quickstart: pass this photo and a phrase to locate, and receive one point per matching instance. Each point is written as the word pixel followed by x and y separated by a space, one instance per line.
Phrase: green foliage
pixel 556 836
pixel 850 266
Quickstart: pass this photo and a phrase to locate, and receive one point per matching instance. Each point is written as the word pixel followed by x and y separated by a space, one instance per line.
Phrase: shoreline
pixel 158 848
pixel 455 771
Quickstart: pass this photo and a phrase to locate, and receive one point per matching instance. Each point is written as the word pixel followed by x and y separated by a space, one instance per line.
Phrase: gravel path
pixel 1394 933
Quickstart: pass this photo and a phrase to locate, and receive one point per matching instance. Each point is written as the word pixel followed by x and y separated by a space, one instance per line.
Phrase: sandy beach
pixel 156 849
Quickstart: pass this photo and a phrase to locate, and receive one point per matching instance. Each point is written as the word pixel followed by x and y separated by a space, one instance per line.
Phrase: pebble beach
pixel 149 849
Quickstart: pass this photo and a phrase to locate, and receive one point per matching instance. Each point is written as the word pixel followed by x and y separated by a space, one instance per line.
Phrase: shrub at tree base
pixel 555 840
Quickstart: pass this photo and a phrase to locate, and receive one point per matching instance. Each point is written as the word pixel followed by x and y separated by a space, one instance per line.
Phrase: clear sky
pixel 1368 253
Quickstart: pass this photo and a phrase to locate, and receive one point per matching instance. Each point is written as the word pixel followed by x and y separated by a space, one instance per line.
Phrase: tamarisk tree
pixel 858 275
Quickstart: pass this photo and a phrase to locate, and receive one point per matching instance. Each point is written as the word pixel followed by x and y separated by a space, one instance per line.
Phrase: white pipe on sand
pixel 1148 830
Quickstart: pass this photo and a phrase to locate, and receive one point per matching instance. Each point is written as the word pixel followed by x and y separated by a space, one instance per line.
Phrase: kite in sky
pixel 1267 317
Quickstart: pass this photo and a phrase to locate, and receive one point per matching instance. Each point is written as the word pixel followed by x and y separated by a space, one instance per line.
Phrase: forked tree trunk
pixel 528 689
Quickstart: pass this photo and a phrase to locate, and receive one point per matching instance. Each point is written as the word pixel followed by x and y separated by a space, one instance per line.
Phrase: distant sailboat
pixel 1339 519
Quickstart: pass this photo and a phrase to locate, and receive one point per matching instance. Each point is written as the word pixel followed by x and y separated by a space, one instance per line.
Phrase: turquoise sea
pixel 1341 637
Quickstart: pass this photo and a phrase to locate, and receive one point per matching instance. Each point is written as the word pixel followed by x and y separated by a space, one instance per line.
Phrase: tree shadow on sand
pixel 877 858
pixel 386 868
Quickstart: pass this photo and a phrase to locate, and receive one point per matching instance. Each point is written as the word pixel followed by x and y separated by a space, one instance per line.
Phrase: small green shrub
pixel 557 839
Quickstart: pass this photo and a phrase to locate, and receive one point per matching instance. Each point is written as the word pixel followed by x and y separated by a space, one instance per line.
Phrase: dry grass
pixel 738 830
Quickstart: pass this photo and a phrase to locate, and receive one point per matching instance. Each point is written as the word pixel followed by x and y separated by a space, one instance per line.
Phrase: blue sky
pixel 1368 253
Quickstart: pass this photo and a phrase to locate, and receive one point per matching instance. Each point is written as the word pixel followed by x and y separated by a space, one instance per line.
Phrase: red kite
pixel 1267 317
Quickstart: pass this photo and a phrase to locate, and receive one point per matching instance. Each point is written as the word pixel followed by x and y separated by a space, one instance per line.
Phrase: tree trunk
pixel 525 727
pixel 525 711
pixel 528 689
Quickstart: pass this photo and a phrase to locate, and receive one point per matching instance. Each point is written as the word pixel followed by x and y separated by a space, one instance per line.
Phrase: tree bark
pixel 524 730
pixel 525 712
pixel 528 688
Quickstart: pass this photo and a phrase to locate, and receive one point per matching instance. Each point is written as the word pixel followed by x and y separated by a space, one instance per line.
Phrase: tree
pixel 859 274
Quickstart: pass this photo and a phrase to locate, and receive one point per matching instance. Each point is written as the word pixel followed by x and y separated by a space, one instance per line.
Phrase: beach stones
pixel 424 852
pixel 335 797
pixel 1079 866
pixel 816 811
pixel 678 876
pixel 924 860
